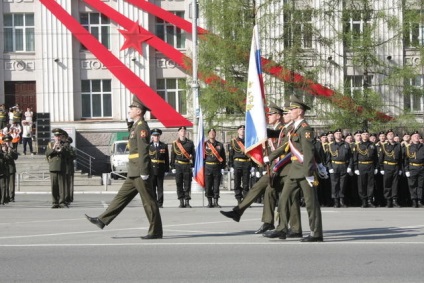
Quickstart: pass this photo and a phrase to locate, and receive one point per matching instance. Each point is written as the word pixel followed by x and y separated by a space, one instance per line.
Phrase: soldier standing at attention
pixel 390 159
pixel 215 161
pixel 56 160
pixel 4 116
pixel 182 161
pixel 138 179
pixel 158 152
pixel 239 164
pixel 414 169
pixel 70 156
pixel 302 175
pixel 365 163
pixel 340 163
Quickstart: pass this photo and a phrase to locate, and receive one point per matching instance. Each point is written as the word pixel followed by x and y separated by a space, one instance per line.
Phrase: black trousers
pixel 366 182
pixel 241 176
pixel 183 176
pixel 416 182
pixel 212 180
pixel 157 187
pixel 390 182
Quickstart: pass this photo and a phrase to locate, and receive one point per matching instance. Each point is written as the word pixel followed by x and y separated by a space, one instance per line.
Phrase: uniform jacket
pixel 177 155
pixel 10 158
pixel 281 151
pixel 160 158
pixel 339 156
pixel 390 154
pixel 365 152
pixel 414 153
pixel 210 157
pixel 138 144
pixel 56 159
pixel 235 152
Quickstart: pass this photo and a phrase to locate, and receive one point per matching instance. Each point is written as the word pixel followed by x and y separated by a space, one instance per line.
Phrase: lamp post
pixel 195 82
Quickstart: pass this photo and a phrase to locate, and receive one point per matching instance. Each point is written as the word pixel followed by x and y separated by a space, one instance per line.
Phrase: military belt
pixel 158 161
pixel 339 162
pixel 182 162
pixel 390 163
pixel 417 164
pixel 212 163
pixel 134 155
pixel 366 162
pixel 241 159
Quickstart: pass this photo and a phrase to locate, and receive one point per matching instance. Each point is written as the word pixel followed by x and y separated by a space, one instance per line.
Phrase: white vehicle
pixel 119 158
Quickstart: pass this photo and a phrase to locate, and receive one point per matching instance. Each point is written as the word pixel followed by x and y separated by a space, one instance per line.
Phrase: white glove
pixel 263 172
pixel 252 170
pixel 232 169
pixel 331 171
pixel 252 173
pixel 166 173
pixel 408 174
pixel 144 177
pixel 375 171
pixel 321 167
pixel 266 159
pixel 173 171
pixel 357 172
pixel 310 180
pixel 349 170
pixel 400 172
pixel 382 172
pixel 222 171
pixel 258 174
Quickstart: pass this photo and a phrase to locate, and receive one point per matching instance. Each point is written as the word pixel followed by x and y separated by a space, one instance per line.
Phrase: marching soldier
pixel 182 161
pixel 390 159
pixel 57 165
pixel 138 178
pixel 159 155
pixel 340 163
pixel 215 161
pixel 239 164
pixel 365 162
pixel 414 169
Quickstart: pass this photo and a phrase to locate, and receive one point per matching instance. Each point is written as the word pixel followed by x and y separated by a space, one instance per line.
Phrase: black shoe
pixel 12 200
pixel 274 234
pixel 215 203
pixel 265 227
pixel 420 204
pixel 55 206
pixel 231 214
pixel 370 204
pixel 389 203
pixel 414 203
pixel 182 205
pixel 187 203
pixel 291 234
pixel 63 205
pixel 96 221
pixel 364 204
pixel 342 204
pixel 160 205
pixel 311 239
pixel 151 237
pixel 395 204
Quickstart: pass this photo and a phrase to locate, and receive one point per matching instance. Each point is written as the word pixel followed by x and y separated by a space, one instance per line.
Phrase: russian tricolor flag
pixel 199 166
pixel 255 133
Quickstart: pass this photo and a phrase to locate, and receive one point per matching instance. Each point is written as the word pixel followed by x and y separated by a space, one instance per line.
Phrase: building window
pixel 413 28
pixel 98 25
pixel 169 33
pixel 18 32
pixel 355 85
pixel 298 28
pixel 413 99
pixel 356 28
pixel 96 98
pixel 173 91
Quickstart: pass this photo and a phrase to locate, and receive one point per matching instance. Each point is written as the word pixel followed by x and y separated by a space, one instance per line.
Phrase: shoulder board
pixel 140 122
pixel 304 125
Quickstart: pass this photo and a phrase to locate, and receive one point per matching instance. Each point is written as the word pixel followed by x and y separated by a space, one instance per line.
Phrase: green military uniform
pixel 4 174
pixel 69 170
pixel 10 156
pixel 139 164
pixel 56 159
pixel 4 117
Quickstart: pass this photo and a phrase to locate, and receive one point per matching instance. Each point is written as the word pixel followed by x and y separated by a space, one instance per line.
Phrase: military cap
pixel 390 131
pixel 365 131
pixel 182 127
pixel 296 102
pixel 330 133
pixel 414 132
pixel 373 134
pixel 338 130
pixel 138 104
pixel 156 131
pixel 274 109
pixel 286 107
pixel 358 132
pixel 348 134
pixel 211 129
pixel 241 127
pixel 57 131
pixel 7 138
pixel 323 135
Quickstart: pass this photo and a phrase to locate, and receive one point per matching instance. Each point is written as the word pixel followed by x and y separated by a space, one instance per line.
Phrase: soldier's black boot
pixel 342 204
pixel 215 203
pixel 187 203
pixel 336 203
pixel 364 203
pixel 182 205
pixel 389 203
pixel 370 204
pixel 414 203
pixel 420 204
pixel 395 203
pixel 210 205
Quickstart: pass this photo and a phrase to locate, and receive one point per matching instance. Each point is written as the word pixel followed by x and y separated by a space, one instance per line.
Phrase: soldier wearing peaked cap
pixel 138 179
pixel 158 152
pixel 414 168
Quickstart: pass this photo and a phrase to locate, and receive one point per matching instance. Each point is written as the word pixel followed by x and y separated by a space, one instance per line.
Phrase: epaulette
pixel 304 125
pixel 140 122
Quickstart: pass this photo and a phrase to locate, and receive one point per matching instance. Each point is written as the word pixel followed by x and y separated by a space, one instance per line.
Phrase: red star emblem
pixel 134 38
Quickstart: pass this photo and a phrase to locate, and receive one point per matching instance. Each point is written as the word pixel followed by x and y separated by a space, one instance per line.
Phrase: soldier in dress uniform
pixel 414 168
pixel 340 164
pixel 324 186
pixel 365 163
pixel 239 164
pixel 138 179
pixel 158 152
pixel 8 169
pixel 379 183
pixel 302 175
pixel 182 162
pixel 390 159
pixel 57 165
pixel 70 156
pixel 215 161
pixel 4 117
